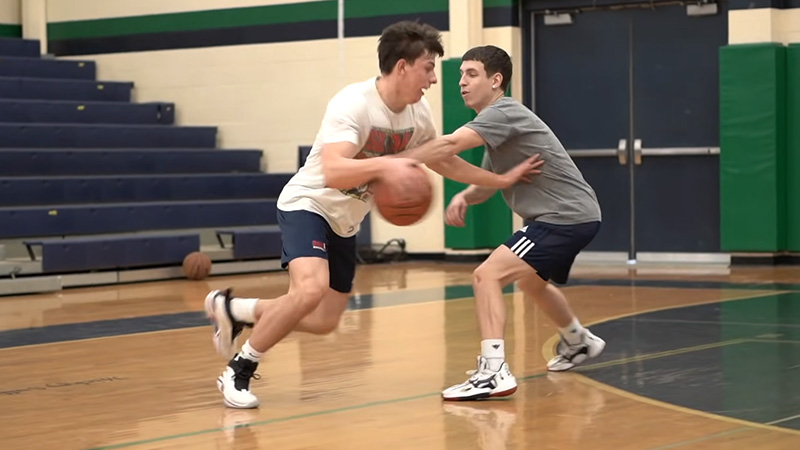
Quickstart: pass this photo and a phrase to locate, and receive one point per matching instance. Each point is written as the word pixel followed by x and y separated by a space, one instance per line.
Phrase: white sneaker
pixel 570 356
pixel 234 383
pixel 226 329
pixel 483 383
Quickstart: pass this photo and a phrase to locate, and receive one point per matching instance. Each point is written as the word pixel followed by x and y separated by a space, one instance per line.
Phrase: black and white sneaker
pixel 569 356
pixel 483 383
pixel 226 328
pixel 234 383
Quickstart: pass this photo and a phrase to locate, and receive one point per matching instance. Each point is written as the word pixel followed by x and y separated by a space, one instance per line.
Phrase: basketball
pixel 404 208
pixel 196 266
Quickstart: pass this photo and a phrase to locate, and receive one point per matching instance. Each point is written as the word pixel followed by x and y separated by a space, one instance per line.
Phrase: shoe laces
pixel 483 369
pixel 243 372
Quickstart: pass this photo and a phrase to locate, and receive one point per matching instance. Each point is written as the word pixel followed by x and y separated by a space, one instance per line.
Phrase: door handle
pixel 622 152
pixel 637 152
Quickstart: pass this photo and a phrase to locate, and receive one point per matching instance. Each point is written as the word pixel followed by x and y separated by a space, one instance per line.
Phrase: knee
pixel 309 294
pixel 484 274
pixel 329 324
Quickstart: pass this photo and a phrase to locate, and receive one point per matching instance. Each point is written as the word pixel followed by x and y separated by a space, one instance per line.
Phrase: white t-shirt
pixel 356 114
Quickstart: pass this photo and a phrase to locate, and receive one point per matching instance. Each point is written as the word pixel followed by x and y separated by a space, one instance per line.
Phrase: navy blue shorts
pixel 306 233
pixel 551 249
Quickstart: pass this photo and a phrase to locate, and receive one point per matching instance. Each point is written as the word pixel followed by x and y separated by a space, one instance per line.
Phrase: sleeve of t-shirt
pixel 344 120
pixel 493 126
pixel 486 164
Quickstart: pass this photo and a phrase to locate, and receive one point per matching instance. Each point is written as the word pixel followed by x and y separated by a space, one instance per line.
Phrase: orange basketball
pixel 196 266
pixel 404 207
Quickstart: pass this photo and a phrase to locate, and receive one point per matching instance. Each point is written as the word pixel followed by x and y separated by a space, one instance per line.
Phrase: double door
pixel 633 95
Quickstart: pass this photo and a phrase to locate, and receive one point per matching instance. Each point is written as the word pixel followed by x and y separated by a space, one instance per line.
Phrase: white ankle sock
pixel 244 309
pixel 250 353
pixel 494 350
pixel 572 333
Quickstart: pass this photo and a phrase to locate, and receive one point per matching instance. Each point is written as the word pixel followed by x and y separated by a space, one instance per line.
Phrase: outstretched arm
pixel 455 168
pixel 445 146
pixel 440 154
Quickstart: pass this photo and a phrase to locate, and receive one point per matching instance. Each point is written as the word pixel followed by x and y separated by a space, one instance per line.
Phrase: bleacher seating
pixel 85 254
pixel 253 242
pixel 50 162
pixel 31 191
pixel 47 135
pixel 54 89
pixel 94 181
pixel 25 48
pixel 53 111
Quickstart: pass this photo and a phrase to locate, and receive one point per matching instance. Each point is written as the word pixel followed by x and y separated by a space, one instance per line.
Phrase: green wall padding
pixel 488 224
pixel 793 148
pixel 753 147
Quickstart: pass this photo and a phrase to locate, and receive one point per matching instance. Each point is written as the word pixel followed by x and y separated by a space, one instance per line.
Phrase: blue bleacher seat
pixel 33 135
pixel 54 111
pixel 101 183
pixel 26 48
pixel 55 89
pixel 51 162
pixel 11 66
pixel 67 220
pixel 113 252
pixel 29 191
pixel 253 242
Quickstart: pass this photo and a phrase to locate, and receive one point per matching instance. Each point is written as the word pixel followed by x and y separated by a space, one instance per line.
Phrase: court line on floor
pixel 677 351
pixel 324 412
pixel 711 437
pixel 418 397
pixel 548 351
pixel 712 322
pixel 106 328
pixel 205 323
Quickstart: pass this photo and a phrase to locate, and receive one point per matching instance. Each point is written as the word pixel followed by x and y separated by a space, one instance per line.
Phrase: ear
pixel 401 66
pixel 497 80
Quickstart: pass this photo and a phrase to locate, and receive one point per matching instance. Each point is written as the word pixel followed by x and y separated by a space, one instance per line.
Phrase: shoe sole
pixel 593 352
pixel 223 326
pixel 482 396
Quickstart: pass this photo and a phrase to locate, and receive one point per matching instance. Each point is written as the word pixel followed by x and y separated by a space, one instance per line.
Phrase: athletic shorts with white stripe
pixel 551 249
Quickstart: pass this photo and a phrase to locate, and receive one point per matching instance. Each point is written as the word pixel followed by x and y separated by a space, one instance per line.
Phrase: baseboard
pixel 33 284
pixel 765 259
pixel 427 256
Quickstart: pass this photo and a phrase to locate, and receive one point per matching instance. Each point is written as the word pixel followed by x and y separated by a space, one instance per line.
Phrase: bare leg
pixel 501 268
pixel 549 299
pixel 493 377
pixel 323 320
pixel 578 343
pixel 308 287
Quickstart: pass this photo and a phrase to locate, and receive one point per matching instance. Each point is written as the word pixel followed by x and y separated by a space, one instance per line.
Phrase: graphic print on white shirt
pixel 380 142
pixel 357 114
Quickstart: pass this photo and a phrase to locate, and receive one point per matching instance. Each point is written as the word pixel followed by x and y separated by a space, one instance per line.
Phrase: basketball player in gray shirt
pixel 561 215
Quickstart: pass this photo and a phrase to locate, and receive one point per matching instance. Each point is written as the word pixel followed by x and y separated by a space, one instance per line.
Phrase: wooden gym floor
pixel 696 359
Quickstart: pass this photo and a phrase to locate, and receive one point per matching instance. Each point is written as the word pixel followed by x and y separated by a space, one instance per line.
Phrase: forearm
pixel 477 194
pixel 456 169
pixel 433 151
pixel 346 173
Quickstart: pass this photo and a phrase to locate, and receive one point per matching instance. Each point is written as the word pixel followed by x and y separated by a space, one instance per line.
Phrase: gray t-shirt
pixel 559 195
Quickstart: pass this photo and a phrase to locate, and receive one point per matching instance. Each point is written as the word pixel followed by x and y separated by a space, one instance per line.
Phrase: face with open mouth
pixel 477 88
pixel 420 75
